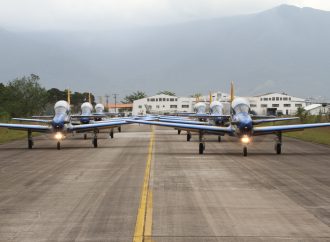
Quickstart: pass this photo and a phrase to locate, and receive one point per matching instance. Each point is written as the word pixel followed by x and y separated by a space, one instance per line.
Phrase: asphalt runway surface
pixel 152 185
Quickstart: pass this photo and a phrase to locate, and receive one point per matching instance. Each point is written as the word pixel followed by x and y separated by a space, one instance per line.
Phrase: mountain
pixel 282 49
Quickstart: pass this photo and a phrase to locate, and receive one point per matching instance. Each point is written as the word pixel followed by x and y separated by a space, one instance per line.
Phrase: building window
pixel 287 105
pixel 264 105
pixel 171 99
pixel 157 106
pixel 275 105
pixel 253 105
pixel 266 99
pixel 152 99
pixel 277 98
pixel 185 106
pixel 173 106
pixel 273 98
pixel 298 105
pixel 280 98
pixel 156 99
pixel 290 98
pixel 168 99
pixel 260 99
pixel 164 99
pixel 176 99
pixel 163 106
pixel 285 99
pixel 147 99
pixel 140 106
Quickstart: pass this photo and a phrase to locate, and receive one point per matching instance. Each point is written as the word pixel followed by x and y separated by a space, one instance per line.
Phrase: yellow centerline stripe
pixel 143 226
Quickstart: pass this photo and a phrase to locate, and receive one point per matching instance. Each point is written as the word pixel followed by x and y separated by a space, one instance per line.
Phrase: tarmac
pixel 150 184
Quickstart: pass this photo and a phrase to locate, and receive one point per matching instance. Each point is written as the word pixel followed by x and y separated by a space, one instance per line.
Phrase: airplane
pixel 61 125
pixel 241 126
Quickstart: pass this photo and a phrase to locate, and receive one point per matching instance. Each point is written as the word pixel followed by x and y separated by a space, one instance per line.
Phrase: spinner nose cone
pixel 58 122
pixel 84 120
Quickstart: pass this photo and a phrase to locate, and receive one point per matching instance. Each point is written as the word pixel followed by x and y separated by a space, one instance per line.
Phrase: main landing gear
pixel 278 144
pixel 245 151
pixel 119 129
pixel 201 142
pixel 111 134
pixel 85 136
pixel 95 139
pixel 58 146
pixel 179 131
pixel 188 136
pixel 219 138
pixel 30 141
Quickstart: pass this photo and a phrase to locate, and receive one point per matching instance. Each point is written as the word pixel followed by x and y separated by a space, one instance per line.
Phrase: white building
pixel 276 103
pixel 162 104
pixel 316 109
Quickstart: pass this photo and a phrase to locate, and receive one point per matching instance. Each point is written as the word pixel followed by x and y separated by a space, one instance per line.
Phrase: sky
pixel 27 15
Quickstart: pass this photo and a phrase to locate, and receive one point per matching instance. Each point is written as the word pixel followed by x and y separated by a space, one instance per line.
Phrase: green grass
pixel 317 135
pixel 7 135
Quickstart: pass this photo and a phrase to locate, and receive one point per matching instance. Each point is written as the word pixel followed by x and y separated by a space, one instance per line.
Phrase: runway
pixel 81 193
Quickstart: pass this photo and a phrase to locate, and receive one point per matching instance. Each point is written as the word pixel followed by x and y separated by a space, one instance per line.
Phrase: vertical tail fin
pixel 232 91
pixel 69 96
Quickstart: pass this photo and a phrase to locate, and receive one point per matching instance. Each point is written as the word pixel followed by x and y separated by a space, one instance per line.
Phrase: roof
pixel 120 105
pixel 312 106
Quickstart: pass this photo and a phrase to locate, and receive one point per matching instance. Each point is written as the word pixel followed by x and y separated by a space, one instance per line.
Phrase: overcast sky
pixel 108 14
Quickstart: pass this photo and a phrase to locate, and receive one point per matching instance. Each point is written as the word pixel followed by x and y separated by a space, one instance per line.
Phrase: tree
pixel 134 96
pixel 169 93
pixel 196 95
pixel 55 95
pixel 302 114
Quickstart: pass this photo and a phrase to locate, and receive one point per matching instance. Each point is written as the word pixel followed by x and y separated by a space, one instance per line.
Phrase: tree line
pixel 24 97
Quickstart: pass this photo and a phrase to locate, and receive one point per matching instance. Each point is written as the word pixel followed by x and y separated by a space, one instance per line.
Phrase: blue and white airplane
pixel 242 126
pixel 61 125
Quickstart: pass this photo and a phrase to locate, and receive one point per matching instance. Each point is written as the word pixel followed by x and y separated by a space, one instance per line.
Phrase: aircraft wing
pixel 100 125
pixel 183 121
pixel 33 120
pixel 259 121
pixel 286 128
pixel 191 127
pixel 89 116
pixel 34 128
pixel 209 116
pixel 44 116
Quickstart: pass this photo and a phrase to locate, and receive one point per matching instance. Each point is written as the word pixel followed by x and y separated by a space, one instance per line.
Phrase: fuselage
pixel 61 117
pixel 86 110
pixel 241 118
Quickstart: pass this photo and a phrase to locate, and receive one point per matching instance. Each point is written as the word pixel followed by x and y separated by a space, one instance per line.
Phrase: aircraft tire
pixel 119 129
pixel 58 145
pixel 188 137
pixel 30 144
pixel 85 136
pixel 179 131
pixel 95 142
pixel 245 151
pixel 111 134
pixel 219 138
pixel 201 148
pixel 278 149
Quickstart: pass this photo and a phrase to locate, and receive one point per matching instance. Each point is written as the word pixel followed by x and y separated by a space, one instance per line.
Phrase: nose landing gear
pixel 95 139
pixel 30 141
pixel 201 143
pixel 278 144
pixel 188 136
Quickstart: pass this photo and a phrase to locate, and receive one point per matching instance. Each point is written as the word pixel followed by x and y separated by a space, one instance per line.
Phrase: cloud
pixel 107 14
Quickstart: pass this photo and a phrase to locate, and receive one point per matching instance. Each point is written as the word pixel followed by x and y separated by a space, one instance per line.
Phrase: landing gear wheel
pixel 85 136
pixel 58 145
pixel 179 131
pixel 245 151
pixel 30 144
pixel 278 148
pixel 219 138
pixel 119 129
pixel 95 142
pixel 201 148
pixel 188 137
pixel 111 134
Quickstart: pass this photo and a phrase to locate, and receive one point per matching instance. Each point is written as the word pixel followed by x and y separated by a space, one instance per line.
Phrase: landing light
pixel 58 136
pixel 245 139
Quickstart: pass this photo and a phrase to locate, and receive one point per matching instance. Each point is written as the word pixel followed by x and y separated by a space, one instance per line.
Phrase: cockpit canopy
pixel 86 108
pixel 240 105
pixel 62 107
pixel 216 107
pixel 99 108
pixel 200 107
